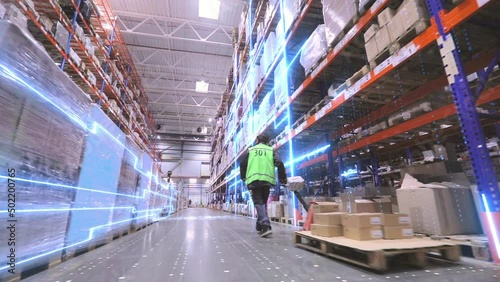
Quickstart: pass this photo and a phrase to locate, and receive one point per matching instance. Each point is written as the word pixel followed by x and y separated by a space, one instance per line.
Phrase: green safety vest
pixel 260 164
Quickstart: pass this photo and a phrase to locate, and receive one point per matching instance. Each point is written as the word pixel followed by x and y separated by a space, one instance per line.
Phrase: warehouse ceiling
pixel 174 49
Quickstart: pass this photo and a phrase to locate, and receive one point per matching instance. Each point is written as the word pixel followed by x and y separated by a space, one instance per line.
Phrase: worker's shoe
pixel 258 227
pixel 266 231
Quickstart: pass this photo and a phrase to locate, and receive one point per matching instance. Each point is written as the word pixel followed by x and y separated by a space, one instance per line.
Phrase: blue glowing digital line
pixel 349 172
pixel 72 245
pixel 82 188
pixel 492 226
pixel 68 209
pixel 9 74
pixel 298 159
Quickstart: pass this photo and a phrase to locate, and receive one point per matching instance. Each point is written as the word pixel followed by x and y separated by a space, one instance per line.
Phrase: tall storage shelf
pixel 368 93
pixel 83 38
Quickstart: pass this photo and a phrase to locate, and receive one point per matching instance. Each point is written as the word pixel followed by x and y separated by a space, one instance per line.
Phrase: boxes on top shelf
pixel 314 48
pixel 16 16
pixel 370 32
pixel 385 16
pixel 337 15
pixel 61 35
pixel 383 38
pixel 412 11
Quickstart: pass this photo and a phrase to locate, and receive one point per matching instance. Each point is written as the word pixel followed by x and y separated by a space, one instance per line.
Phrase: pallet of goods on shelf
pixel 314 50
pixel 395 29
pixel 338 15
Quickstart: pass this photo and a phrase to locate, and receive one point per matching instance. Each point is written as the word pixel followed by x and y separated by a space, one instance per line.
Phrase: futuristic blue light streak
pixel 491 224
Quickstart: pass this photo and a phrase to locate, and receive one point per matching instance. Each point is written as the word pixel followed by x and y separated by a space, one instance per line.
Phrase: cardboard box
pixel 325 207
pixel 411 12
pixel 398 232
pixel 371 31
pixel 383 38
pixel 326 231
pixel 361 220
pixel 393 220
pixel 383 205
pixel 371 49
pixel 385 16
pixel 330 219
pixel 363 234
pixel 396 27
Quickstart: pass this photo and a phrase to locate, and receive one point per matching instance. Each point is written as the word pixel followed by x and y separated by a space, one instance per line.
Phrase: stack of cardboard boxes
pixel 393 24
pixel 327 220
pixel 362 223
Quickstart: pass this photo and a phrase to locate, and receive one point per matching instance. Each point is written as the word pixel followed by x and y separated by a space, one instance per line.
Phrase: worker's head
pixel 262 139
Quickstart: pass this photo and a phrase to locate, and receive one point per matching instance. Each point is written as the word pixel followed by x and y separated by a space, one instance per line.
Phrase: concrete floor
pixel 206 245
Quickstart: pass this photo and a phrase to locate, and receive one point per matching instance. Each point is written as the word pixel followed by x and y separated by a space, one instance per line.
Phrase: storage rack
pixel 414 73
pixel 111 62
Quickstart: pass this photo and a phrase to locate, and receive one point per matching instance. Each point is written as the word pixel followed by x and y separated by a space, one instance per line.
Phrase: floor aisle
pixel 205 245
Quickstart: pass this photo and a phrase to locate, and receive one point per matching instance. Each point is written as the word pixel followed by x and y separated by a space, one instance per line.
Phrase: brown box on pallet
pixel 330 219
pixel 326 231
pixel 398 232
pixel 396 27
pixel 412 11
pixel 363 234
pixel 393 220
pixel 370 32
pixel 324 207
pixel 371 49
pixel 361 220
pixel 383 38
pixel 385 16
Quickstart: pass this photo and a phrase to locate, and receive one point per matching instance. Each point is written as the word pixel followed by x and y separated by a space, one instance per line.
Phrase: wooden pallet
pixel 376 254
pixel 473 246
pixel 401 41
pixel 275 219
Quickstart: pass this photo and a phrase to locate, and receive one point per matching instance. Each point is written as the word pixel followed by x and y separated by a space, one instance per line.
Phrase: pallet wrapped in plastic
pixel 337 15
pixel 43 128
pixel 314 48
pixel 280 84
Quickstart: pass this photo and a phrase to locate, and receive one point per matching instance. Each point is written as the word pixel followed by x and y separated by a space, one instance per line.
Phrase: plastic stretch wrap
pixel 125 204
pixel 144 190
pixel 280 84
pixel 314 48
pixel 100 170
pixel 337 15
pixel 44 116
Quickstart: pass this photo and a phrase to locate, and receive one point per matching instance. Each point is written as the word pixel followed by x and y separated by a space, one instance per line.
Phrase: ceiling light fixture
pixel 201 86
pixel 210 120
pixel 209 9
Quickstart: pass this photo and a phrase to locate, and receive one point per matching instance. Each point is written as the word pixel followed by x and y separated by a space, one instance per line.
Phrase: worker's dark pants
pixel 260 193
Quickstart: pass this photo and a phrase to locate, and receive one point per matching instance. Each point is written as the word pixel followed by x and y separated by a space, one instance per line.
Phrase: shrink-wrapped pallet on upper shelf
pixel 280 84
pixel 314 48
pixel 338 14
pixel 43 126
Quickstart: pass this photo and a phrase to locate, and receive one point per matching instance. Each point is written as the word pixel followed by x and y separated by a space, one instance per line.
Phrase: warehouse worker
pixel 257 171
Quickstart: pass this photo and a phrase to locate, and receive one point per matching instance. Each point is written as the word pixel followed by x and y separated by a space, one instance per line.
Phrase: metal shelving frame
pixel 438 33
pixel 53 11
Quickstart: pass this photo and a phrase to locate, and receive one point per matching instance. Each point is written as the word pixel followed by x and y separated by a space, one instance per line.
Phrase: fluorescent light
pixel 202 86
pixel 209 9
